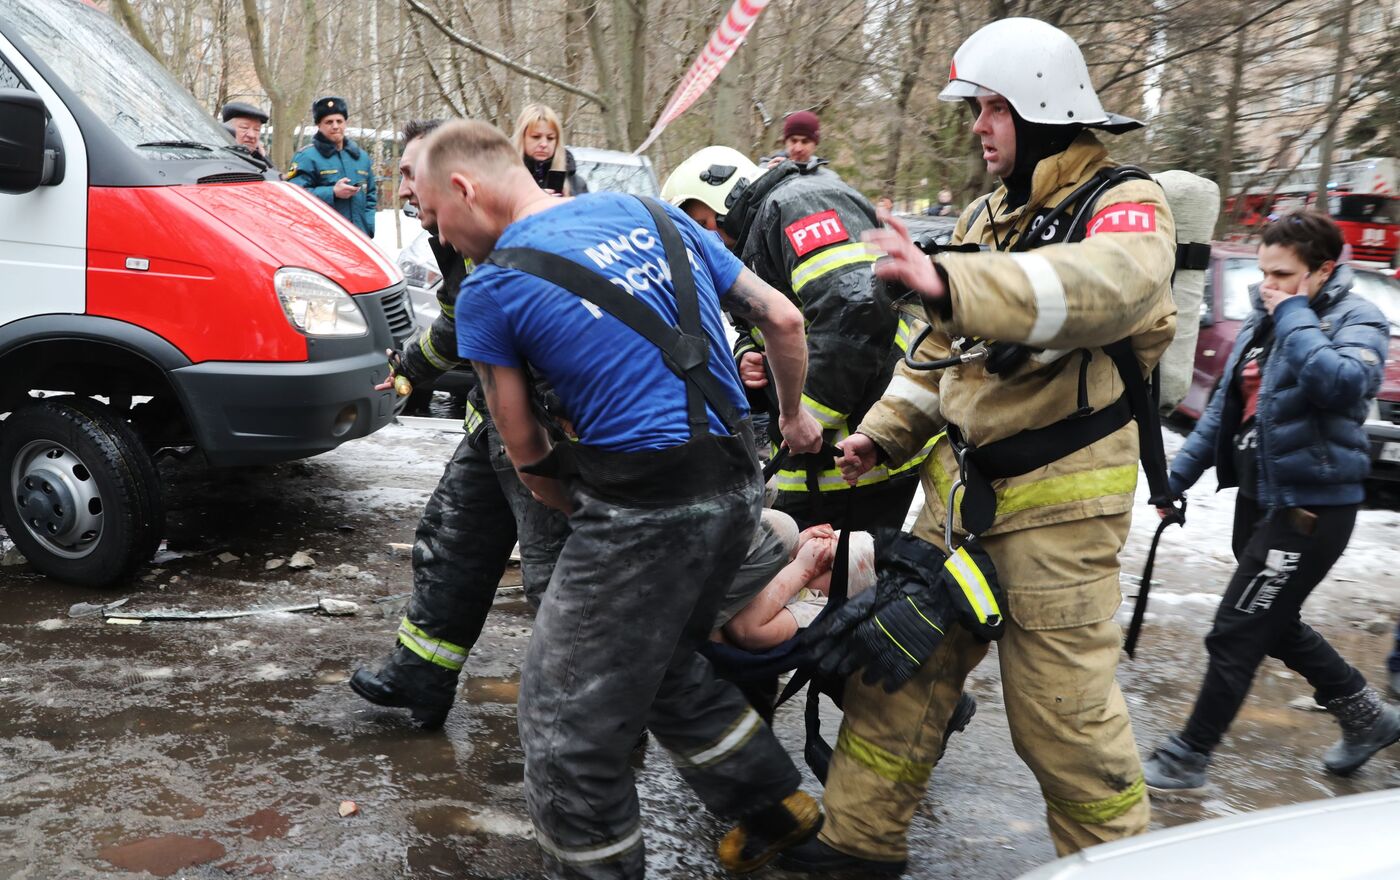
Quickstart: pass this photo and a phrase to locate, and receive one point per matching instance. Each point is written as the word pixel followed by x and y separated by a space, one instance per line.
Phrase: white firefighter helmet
pixel 711 176
pixel 1048 82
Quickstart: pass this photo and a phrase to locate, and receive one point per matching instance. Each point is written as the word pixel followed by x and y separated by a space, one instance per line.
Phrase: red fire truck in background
pixel 1363 197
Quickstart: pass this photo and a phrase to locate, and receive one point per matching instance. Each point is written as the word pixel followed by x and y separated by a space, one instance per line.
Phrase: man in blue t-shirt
pixel 660 483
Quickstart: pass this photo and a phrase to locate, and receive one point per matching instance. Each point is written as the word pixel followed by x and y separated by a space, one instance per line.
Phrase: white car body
pixel 1346 838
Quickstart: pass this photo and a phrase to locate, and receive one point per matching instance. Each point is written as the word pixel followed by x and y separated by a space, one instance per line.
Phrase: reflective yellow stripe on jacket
pixel 473 419
pixel 829 260
pixel 832 481
pixel 1063 489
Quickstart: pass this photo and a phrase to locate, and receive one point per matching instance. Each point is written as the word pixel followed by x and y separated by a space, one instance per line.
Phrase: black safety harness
pixel 653 476
pixel 685 350
pixel 1038 447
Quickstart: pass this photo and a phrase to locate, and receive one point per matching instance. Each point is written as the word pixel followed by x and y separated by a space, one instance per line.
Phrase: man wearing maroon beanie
pixel 802 131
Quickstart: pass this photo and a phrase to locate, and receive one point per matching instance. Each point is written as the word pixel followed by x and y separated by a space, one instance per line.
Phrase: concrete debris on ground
pixel 11 556
pixel 333 607
pixel 274 564
pixel 339 607
pixel 227 557
pixel 349 808
pixel 345 570
pixel 300 560
pixel 88 609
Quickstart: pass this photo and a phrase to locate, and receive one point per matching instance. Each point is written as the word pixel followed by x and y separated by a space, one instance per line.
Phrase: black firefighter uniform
pixel 1058 529
pixel 802 236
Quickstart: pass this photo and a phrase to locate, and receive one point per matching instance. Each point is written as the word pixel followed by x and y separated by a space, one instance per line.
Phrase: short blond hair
pixel 536 113
pixel 468 143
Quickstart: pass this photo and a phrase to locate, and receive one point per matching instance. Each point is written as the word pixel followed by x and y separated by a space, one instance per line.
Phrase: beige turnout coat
pixel 1061 299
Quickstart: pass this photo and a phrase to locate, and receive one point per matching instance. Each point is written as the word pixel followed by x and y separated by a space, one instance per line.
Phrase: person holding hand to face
pixel 1285 425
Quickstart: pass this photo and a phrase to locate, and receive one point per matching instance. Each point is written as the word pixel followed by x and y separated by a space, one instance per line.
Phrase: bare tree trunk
pixel 287 103
pixel 1334 112
pixel 607 84
pixel 138 30
pixel 1225 158
pixel 911 58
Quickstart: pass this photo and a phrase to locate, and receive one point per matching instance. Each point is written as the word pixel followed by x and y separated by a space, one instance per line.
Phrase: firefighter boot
pixel 765 832
pixel 406 681
pixel 1368 725
pixel 812 856
pixel 1176 767
pixel 815 857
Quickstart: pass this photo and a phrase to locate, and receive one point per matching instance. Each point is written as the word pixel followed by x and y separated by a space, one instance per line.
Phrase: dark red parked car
pixel 1233 268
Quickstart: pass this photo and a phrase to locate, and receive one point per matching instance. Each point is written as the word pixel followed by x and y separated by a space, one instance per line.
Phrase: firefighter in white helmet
pixel 1040 409
pixel 798 227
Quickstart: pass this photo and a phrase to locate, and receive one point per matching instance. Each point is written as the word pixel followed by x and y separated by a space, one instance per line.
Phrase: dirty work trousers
pixel 634 592
pixel 460 551
pixel 1282 557
pixel 1067 716
pixel 876 506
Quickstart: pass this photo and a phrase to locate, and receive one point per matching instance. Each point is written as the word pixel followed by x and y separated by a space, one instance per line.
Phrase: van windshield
pixel 1382 290
pixel 602 175
pixel 125 87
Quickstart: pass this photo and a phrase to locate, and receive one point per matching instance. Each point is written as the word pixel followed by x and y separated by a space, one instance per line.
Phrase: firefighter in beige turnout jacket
pixel 1059 528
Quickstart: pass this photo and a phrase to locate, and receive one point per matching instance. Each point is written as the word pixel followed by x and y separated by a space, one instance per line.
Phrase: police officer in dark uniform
pixel 473 519
pixel 335 168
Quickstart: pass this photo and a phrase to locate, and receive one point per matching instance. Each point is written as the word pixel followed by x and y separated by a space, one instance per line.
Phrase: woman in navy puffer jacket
pixel 1285 426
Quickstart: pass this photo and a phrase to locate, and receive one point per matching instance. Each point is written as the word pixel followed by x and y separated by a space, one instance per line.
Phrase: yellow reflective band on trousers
pixel 1099 812
pixel 829 260
pixel 882 762
pixel 974 585
pixel 473 418
pixel 832 481
pixel 437 651
pixel 1064 489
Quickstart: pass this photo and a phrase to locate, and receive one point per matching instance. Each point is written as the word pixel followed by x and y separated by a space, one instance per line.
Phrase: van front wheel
pixel 82 499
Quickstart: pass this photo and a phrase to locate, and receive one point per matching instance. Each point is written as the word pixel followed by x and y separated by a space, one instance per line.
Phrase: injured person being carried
pixel 783 584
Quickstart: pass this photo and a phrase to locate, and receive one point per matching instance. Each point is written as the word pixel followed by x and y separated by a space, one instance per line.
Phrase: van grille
pixel 233 177
pixel 1390 410
pixel 398 314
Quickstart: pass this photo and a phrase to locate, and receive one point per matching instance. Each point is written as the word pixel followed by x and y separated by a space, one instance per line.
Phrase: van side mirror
pixel 22 124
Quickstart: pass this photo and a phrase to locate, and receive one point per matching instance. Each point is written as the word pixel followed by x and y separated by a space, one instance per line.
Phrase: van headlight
pixel 316 305
pixel 418 265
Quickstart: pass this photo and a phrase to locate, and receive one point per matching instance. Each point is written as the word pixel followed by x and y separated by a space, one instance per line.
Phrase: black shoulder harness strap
pixel 1031 449
pixel 685 349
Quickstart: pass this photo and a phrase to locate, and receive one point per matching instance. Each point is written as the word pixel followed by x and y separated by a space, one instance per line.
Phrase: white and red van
pixel 160 289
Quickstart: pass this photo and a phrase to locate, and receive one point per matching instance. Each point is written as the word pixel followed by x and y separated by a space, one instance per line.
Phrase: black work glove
pixel 830 641
pixel 866 631
pixel 902 635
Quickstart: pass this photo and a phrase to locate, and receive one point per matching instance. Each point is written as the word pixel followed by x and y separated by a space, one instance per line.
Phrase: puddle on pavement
pixel 491 690
pixel 164 855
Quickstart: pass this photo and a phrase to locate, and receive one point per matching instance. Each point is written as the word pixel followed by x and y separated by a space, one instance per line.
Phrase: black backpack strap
pixel 685 353
pixel 687 305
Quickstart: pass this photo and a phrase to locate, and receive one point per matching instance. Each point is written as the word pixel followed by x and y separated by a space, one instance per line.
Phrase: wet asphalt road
pixel 225 748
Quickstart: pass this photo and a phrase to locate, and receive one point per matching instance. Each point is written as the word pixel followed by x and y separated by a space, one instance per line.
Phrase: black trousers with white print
pixel 1281 558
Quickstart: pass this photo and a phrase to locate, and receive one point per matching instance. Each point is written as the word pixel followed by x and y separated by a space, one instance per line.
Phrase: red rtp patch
pixel 816 231
pixel 1126 217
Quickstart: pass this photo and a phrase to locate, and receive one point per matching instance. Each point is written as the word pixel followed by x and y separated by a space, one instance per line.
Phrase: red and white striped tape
pixel 723 43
